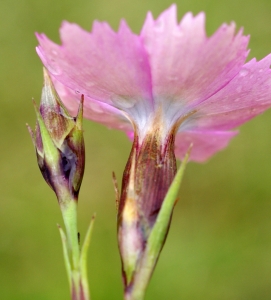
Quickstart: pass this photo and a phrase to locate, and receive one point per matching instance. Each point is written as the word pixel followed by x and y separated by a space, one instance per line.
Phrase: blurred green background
pixel 219 246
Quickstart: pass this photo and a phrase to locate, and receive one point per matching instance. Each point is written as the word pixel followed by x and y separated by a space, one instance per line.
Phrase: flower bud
pixel 59 143
pixel 149 193
pixel 148 175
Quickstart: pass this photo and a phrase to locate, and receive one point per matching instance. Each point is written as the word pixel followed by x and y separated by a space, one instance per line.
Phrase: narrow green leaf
pixel 65 253
pixel 83 258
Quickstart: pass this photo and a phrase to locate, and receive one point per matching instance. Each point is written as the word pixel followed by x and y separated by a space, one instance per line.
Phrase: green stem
pixel 76 262
pixel 69 213
pixel 65 254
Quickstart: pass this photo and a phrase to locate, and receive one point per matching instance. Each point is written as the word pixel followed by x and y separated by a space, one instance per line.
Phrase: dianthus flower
pixel 167 87
pixel 169 69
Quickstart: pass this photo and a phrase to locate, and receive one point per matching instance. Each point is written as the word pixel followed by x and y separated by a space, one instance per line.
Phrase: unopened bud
pixel 148 175
pixel 59 143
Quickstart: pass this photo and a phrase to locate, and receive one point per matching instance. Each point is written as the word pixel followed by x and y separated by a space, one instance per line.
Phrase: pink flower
pixel 169 86
pixel 171 68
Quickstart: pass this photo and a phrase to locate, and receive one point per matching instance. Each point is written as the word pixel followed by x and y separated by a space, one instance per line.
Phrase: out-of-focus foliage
pixel 220 243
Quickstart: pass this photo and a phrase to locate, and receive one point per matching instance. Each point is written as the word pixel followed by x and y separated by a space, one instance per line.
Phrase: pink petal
pixel 93 110
pixel 170 68
pixel 103 65
pixel 247 95
pixel 205 143
pixel 186 66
